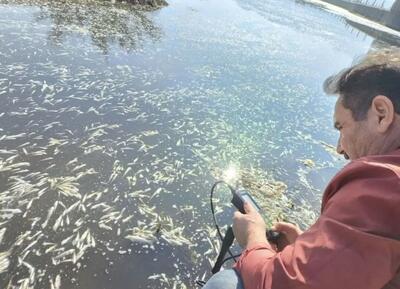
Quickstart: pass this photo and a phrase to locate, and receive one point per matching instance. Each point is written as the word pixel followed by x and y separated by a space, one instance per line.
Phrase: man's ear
pixel 382 109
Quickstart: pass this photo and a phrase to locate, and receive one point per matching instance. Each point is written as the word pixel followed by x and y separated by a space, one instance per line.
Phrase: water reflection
pixel 118 24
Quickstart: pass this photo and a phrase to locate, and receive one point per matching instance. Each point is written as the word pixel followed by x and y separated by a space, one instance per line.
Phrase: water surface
pixel 116 122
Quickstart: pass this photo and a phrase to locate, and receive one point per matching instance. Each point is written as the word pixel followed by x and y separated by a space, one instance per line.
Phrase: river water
pixel 116 122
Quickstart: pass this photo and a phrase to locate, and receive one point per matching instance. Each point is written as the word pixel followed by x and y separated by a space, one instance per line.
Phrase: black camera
pixel 239 197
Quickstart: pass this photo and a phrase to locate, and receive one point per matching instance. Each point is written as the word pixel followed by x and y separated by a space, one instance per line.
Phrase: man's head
pixel 367 112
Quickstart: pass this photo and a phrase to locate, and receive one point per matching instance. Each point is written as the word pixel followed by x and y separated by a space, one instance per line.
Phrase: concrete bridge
pixel 390 18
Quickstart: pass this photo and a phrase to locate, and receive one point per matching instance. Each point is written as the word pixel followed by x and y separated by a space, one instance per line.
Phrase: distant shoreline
pixel 144 4
pixel 149 3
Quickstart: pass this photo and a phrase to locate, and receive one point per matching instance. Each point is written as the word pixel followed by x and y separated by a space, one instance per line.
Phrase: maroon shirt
pixel 355 243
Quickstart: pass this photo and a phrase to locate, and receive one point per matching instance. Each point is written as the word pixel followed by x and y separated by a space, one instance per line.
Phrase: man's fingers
pixel 283 226
pixel 237 215
pixel 287 228
pixel 280 227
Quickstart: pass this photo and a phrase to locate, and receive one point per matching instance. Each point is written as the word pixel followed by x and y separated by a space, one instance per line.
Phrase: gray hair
pixel 378 73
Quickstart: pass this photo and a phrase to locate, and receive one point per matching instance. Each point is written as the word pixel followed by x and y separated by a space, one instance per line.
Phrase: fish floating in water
pixel 103 160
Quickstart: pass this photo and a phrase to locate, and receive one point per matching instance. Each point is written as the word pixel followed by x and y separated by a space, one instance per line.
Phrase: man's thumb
pixel 248 208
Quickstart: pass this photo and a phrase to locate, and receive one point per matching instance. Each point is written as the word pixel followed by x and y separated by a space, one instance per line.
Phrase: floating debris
pixel 308 163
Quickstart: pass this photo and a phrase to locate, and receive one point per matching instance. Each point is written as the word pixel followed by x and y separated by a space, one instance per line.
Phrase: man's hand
pixel 289 232
pixel 249 228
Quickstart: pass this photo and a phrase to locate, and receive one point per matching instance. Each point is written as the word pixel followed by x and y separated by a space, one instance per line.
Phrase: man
pixel 355 243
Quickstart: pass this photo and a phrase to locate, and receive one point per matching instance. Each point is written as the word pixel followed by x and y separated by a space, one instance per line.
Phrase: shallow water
pixel 115 123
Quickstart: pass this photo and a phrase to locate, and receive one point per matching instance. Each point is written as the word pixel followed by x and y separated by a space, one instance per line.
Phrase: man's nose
pixel 339 148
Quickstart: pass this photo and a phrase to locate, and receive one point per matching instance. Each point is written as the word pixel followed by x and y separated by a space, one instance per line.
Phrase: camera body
pixel 241 196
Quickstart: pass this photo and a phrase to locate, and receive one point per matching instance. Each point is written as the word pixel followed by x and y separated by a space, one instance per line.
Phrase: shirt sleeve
pixel 343 249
